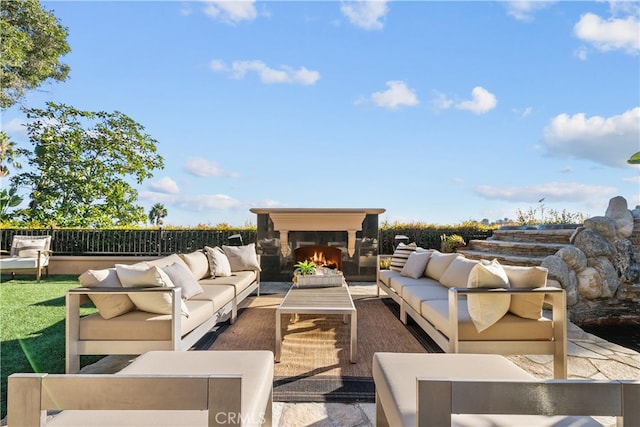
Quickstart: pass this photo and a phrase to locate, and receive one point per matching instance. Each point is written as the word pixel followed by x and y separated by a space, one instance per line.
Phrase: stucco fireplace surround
pixel 282 230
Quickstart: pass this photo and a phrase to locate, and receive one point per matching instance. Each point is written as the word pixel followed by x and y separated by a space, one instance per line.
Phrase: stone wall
pixel 600 271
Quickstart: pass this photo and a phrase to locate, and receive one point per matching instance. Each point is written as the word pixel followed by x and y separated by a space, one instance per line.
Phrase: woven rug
pixel 314 364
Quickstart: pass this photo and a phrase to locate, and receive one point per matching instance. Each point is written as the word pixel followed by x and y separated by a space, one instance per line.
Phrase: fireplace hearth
pixel 345 239
pixel 321 255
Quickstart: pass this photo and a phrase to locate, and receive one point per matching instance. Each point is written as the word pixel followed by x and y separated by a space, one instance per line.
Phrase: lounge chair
pixel 28 253
pixel 160 388
pixel 489 390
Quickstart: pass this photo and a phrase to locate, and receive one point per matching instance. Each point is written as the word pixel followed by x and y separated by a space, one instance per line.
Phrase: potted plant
pixel 451 243
pixel 303 268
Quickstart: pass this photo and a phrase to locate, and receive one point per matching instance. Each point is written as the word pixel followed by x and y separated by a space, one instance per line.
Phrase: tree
pixel 157 212
pixel 81 166
pixel 635 159
pixel 32 43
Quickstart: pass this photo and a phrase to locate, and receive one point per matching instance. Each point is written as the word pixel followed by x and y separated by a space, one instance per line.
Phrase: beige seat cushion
pixel 386 275
pixel 509 327
pixel 219 295
pixel 240 280
pixel 414 295
pixel 399 282
pixel 141 325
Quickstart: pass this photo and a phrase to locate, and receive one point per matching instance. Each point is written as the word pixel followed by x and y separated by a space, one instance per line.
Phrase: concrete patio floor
pixel 589 357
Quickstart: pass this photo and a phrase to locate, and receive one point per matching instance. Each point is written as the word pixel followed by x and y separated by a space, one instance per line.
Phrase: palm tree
pixel 157 212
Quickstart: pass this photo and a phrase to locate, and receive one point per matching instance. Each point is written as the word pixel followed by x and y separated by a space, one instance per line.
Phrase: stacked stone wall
pixel 600 270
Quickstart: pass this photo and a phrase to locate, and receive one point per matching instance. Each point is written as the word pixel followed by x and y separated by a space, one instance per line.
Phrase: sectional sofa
pixel 477 306
pixel 164 304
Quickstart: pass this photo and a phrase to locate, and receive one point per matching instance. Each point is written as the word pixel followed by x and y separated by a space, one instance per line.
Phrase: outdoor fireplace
pixel 321 255
pixel 348 238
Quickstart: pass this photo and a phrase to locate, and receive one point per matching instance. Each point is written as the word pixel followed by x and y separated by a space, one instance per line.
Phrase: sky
pixel 437 111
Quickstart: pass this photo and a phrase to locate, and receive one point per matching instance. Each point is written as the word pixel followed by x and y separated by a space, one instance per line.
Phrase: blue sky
pixel 437 111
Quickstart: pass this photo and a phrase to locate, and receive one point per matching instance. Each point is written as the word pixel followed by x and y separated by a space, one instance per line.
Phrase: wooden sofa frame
pixel 75 347
pixel 31 395
pixel 438 399
pixel 555 298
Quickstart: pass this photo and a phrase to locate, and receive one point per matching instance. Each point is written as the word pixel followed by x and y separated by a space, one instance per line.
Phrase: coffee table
pixel 319 300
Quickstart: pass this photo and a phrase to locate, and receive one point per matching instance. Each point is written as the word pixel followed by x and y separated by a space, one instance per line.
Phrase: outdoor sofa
pixel 165 304
pixel 414 389
pixel 477 306
pixel 159 388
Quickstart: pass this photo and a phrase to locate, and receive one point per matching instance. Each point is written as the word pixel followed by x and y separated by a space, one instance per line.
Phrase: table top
pixel 329 298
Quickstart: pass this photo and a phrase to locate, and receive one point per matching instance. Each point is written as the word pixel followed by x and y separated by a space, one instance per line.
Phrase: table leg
pixel 354 336
pixel 278 335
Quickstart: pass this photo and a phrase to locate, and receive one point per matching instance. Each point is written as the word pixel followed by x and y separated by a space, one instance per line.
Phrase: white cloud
pixel 441 102
pixel 482 102
pixel 552 192
pixel 203 168
pixel 607 141
pixel 633 179
pixel 14 126
pixel 286 74
pixel 524 10
pixel 194 203
pixel 231 12
pixel 610 34
pixel 397 95
pixel 365 14
pixel 165 185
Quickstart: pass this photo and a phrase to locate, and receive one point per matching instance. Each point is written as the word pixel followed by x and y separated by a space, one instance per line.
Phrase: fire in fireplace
pixel 321 255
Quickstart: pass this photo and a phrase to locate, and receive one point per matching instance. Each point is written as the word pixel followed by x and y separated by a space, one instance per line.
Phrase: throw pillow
pixel 485 310
pixel 109 306
pixel 143 276
pixel 528 306
pixel 181 276
pixel 438 264
pixel 401 255
pixel 198 263
pixel 218 262
pixel 415 265
pixel 242 257
pixel 457 274
pixel 30 248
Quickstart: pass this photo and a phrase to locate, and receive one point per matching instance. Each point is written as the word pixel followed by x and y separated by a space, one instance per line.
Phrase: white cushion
pixel 400 256
pixel 141 276
pixel 218 262
pixel 108 306
pixel 438 264
pixel 242 257
pixel 527 306
pixel 457 274
pixel 415 265
pixel 182 277
pixel 198 263
pixel 485 310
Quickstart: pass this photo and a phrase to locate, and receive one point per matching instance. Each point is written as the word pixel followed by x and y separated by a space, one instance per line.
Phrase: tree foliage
pixel 32 43
pixel 157 213
pixel 82 165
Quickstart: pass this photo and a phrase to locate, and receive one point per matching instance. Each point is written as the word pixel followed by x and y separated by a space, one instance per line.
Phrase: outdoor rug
pixel 314 364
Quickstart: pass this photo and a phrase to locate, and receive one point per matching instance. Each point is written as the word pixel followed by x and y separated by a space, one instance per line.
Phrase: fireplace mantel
pixel 322 219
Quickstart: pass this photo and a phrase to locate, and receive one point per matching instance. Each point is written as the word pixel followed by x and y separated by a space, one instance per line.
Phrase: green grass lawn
pixel 32 326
